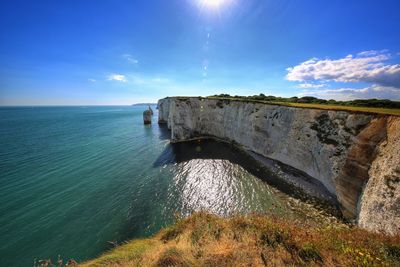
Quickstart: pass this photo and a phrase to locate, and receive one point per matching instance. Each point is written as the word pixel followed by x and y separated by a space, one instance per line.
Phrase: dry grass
pixel 255 240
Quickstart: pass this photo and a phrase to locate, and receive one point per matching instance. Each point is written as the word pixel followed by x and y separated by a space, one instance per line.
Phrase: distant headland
pixel 144 104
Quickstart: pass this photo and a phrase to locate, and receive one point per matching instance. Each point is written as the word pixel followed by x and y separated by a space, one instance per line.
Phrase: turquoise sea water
pixel 74 178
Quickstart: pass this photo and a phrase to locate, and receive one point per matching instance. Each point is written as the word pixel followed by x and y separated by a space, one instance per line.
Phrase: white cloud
pixel 139 79
pixel 370 53
pixel 117 77
pixel 130 59
pixel 374 91
pixel 367 66
pixel 92 80
pixel 310 85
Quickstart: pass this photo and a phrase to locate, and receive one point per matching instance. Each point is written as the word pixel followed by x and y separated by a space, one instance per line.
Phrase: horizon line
pixel 78 105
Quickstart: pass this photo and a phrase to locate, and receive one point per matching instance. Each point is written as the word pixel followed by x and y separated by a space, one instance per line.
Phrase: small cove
pixel 75 178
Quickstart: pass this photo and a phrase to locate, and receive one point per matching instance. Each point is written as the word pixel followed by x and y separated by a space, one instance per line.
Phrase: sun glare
pixel 212 3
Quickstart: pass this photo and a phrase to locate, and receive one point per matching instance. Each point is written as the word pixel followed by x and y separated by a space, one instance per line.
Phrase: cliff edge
pixel 354 155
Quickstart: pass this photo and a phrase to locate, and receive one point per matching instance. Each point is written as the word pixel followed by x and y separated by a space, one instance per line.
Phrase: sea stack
pixel 147 116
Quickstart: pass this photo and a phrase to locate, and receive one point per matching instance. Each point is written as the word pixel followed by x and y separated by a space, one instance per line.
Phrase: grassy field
pixel 386 111
pixel 255 240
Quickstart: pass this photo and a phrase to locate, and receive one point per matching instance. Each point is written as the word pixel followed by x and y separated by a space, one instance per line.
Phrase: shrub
pixel 273 238
pixel 173 231
pixel 393 251
pixel 172 257
pixel 309 252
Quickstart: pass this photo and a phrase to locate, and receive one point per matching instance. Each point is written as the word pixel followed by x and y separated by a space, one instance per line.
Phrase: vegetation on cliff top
pixel 255 240
pixel 379 106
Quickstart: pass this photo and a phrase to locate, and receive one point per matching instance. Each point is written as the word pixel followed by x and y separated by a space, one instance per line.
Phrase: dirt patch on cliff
pixel 354 175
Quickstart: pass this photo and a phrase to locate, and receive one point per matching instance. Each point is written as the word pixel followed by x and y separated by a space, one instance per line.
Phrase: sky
pixel 114 52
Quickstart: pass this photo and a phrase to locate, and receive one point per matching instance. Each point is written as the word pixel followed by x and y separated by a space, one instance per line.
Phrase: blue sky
pixel 72 52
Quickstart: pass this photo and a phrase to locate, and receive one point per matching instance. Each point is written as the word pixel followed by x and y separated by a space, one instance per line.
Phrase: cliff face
pixel 380 203
pixel 335 147
pixel 163 110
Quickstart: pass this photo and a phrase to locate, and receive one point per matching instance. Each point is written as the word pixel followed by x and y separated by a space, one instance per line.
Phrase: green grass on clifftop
pixel 328 105
pixel 387 111
pixel 255 240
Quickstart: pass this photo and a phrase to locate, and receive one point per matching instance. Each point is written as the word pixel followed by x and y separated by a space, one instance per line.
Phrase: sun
pixel 212 3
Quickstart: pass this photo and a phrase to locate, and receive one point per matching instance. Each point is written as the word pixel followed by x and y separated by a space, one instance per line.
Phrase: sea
pixel 76 181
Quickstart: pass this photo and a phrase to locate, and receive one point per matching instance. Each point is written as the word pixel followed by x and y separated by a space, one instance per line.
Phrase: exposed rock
pixel 163 110
pixel 380 203
pixel 335 147
pixel 354 173
pixel 147 116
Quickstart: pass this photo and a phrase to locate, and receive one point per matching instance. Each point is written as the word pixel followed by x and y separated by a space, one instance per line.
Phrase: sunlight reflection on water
pixel 221 187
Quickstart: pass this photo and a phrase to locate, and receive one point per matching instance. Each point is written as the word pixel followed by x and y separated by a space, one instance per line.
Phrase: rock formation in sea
pixel 147 114
pixel 356 156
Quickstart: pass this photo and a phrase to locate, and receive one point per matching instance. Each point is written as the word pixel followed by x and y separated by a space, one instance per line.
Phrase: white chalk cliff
pixel 354 155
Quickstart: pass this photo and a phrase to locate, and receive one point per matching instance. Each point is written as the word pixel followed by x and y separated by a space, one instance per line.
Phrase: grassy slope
pixel 255 240
pixel 386 111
